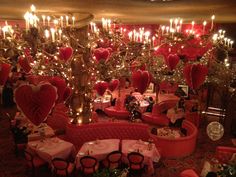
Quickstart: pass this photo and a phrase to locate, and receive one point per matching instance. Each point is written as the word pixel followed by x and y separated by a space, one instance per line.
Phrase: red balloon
pixel 101 54
pixel 195 75
pixel 101 87
pixel 65 53
pixel 5 69
pixel 113 84
pixel 171 61
pixel 141 80
pixel 36 102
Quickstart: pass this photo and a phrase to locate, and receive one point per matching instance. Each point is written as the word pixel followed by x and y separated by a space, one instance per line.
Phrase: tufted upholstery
pixel 224 153
pixel 78 135
pixel 58 121
pixel 188 173
pixel 179 147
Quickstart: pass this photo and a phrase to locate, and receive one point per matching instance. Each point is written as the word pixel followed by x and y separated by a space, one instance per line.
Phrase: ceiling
pixel 129 11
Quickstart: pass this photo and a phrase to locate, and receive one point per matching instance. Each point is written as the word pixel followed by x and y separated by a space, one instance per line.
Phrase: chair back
pixel 59 164
pixel 114 158
pixel 87 163
pixel 135 160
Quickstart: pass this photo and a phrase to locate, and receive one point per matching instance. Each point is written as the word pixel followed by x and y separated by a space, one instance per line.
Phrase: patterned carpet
pixel 12 166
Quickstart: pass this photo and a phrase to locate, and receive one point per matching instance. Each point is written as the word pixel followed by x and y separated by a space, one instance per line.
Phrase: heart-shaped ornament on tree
pixel 65 53
pixel 5 69
pixel 101 87
pixel 24 64
pixel 113 84
pixel 171 61
pixel 195 75
pixel 141 80
pixel 101 54
pixel 36 102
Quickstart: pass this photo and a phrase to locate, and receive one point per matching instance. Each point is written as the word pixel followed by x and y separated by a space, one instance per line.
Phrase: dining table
pixel 143 104
pixel 51 148
pixel 101 103
pixel 98 149
pixel 147 149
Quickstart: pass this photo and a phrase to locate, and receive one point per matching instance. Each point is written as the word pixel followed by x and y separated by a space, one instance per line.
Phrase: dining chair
pixel 62 167
pixel 89 165
pixel 34 162
pixel 113 160
pixel 136 165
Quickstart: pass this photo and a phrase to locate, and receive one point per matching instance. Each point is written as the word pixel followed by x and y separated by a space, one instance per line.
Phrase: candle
pixel 177 28
pixel 109 24
pixel 59 32
pixel 53 34
pixel 26 17
pixel 46 33
pixel 153 41
pixel 228 40
pixel 167 29
pixel 55 23
pixel 130 34
pixel 171 20
pixel 43 17
pixel 176 22
pixel 212 21
pixel 4 30
pixel 204 26
pixel 181 22
pixel 67 21
pixel 231 44
pixel 193 25
pixel 225 39
pixel 162 29
pixel 48 18
pixel 73 21
pixel 62 21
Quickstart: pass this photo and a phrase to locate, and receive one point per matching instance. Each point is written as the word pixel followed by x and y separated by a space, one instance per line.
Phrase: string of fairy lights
pixel 43 36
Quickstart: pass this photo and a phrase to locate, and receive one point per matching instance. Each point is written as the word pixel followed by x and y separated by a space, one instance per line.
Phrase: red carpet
pixel 12 166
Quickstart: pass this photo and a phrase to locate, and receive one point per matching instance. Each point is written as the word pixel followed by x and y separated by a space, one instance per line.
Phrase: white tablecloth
pixel 51 148
pixel 98 149
pixel 142 147
pixel 173 114
pixel 143 105
pixel 101 104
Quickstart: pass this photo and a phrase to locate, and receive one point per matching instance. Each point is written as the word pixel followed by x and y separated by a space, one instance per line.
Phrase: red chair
pixel 34 162
pixel 188 173
pixel 136 165
pixel 62 168
pixel 224 153
pixel 89 165
pixel 113 160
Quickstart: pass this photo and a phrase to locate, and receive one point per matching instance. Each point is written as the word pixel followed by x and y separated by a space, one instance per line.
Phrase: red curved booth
pixel 179 147
pixel 79 134
pixel 112 111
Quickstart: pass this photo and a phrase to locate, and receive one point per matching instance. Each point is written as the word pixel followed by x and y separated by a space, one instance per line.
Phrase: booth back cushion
pixel 58 121
pixel 224 153
pixel 159 108
pixel 79 134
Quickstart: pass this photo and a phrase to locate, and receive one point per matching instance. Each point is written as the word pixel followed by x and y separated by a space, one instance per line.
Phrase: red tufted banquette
pixel 79 134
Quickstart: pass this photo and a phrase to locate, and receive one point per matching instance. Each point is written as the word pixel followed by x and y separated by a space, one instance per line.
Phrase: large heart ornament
pixel 65 53
pixel 5 69
pixel 171 61
pixel 101 87
pixel 101 54
pixel 63 91
pixel 113 84
pixel 141 80
pixel 36 102
pixel 24 63
pixel 195 75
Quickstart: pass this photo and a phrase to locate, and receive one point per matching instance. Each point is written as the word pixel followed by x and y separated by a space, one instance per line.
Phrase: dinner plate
pixel 81 153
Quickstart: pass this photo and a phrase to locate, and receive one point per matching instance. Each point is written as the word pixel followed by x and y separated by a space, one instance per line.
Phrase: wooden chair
pixel 136 166
pixel 34 162
pixel 113 160
pixel 62 167
pixel 89 165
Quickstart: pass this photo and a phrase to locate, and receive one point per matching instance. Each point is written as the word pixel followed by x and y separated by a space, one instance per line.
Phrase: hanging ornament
pixel 141 80
pixel 5 69
pixel 24 63
pixel 113 84
pixel 171 61
pixel 101 87
pixel 65 53
pixel 101 54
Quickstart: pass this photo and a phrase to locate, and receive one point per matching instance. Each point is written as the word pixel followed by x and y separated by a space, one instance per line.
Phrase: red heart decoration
pixel 24 63
pixel 36 79
pixel 141 80
pixel 113 84
pixel 5 69
pixel 65 53
pixel 101 87
pixel 63 91
pixel 36 102
pixel 101 54
pixel 195 75
pixel 171 61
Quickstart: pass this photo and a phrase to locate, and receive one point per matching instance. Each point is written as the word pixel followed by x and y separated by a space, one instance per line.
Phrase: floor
pixel 12 166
